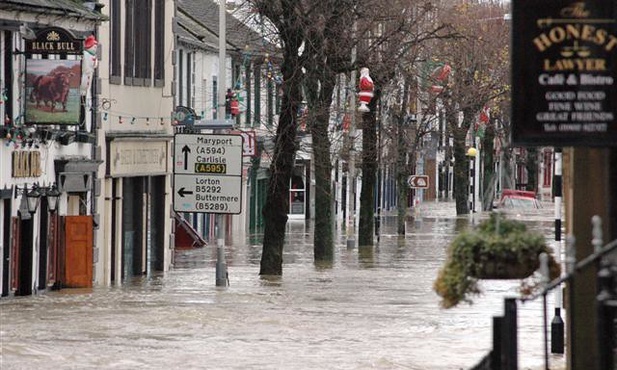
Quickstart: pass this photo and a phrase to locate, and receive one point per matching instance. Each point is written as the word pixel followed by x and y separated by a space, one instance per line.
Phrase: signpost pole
pixel 221 268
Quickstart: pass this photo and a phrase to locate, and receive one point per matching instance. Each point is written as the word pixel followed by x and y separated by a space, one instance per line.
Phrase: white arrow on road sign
pixel 208 194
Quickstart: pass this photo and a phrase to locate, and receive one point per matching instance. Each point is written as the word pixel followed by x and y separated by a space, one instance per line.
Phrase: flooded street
pixel 369 310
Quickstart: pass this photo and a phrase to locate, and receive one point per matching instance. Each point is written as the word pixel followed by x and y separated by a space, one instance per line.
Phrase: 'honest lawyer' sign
pixel 564 72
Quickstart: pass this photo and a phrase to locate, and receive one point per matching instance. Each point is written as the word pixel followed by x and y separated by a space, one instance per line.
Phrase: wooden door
pixel 78 252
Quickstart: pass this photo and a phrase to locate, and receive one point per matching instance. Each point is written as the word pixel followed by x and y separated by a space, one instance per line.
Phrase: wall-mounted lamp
pixel 34 193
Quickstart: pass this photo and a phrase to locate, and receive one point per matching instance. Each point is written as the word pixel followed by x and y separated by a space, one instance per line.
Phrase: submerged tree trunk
pixel 461 161
pixel 461 172
pixel 402 173
pixel 369 173
pixel 323 243
pixel 488 160
pixel 277 200
pixel 402 170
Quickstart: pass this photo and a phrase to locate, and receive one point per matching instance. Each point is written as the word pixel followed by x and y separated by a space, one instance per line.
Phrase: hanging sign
pixel 54 40
pixel 564 72
pixel 52 94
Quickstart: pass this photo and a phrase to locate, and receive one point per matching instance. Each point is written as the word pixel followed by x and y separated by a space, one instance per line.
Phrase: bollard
pixel 221 268
pixel 557 324
pixel 605 302
pixel 510 342
pixel 496 352
pixel 570 265
pixel 557 333
pixel 378 223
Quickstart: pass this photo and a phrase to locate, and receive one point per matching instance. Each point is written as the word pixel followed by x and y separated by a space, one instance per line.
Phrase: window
pixel 180 74
pixel 270 102
pixel 159 43
pixel 115 68
pixel 247 81
pixel 138 43
pixel 257 86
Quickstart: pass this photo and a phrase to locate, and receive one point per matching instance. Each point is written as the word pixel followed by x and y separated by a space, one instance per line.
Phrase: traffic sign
pixel 418 181
pixel 208 173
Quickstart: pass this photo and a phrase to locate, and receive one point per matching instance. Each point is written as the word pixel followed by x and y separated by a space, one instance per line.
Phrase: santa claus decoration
pixel 89 63
pixel 366 90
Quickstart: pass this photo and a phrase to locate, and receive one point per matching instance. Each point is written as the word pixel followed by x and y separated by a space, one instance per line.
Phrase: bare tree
pixel 478 60
pixel 316 44
pixel 292 34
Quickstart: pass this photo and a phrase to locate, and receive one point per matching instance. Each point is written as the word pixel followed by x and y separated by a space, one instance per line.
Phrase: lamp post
pixel 472 153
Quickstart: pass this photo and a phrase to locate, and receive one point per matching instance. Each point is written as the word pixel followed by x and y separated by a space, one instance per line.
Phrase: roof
pixel 66 8
pixel 201 19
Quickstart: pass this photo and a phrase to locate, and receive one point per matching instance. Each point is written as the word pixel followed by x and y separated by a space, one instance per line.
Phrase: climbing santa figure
pixel 89 63
pixel 366 90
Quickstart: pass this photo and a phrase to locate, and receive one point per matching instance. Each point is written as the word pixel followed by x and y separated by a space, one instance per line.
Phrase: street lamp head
pixel 53 195
pixel 32 199
pixel 472 152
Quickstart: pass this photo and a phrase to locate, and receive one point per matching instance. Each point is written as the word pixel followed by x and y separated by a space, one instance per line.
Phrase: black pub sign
pixel 54 40
pixel 564 72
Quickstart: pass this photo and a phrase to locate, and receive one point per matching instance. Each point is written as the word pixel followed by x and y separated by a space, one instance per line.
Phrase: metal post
pixel 570 264
pixel 557 325
pixel 221 268
pixel 606 313
pixel 544 270
pixel 477 169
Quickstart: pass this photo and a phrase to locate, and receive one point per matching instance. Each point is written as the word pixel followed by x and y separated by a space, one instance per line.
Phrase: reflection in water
pixel 370 308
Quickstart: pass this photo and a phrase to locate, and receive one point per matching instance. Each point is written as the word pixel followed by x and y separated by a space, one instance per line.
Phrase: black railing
pixel 503 355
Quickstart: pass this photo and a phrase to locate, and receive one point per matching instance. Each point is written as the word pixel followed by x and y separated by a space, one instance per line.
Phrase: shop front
pixel 137 207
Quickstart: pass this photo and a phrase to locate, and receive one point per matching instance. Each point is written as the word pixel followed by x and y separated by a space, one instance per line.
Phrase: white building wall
pixel 50 150
pixel 143 113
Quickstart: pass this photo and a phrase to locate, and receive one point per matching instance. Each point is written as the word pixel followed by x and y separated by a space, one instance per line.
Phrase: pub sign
pixel 53 77
pixel 564 72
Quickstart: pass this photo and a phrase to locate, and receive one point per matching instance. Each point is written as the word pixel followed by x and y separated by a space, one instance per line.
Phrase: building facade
pixel 134 117
pixel 48 156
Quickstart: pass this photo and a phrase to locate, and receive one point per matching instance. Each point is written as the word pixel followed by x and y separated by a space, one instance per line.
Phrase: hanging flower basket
pixel 497 249
pixel 505 269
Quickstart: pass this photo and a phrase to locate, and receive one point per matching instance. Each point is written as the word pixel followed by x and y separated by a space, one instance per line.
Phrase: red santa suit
pixel 89 63
pixel 366 90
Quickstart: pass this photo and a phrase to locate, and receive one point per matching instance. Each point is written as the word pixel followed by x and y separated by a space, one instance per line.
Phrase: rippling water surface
pixel 371 309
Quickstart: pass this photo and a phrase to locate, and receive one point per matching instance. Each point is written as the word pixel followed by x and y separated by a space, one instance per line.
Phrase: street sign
pixel 208 173
pixel 418 181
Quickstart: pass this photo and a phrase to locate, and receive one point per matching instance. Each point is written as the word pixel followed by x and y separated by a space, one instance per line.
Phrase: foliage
pixel 496 239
